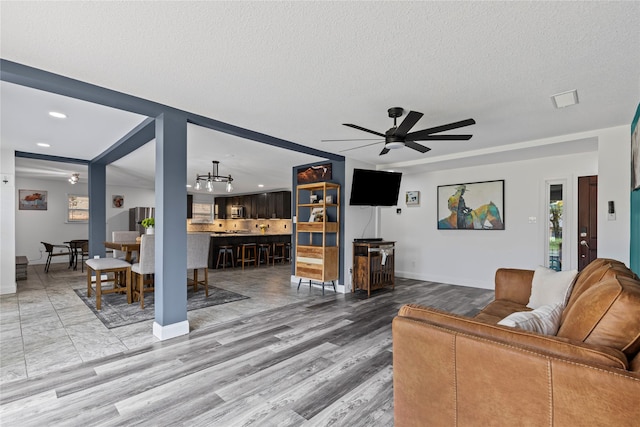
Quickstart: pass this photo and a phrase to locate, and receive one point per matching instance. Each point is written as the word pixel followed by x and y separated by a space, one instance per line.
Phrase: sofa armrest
pixel 514 284
pixel 552 345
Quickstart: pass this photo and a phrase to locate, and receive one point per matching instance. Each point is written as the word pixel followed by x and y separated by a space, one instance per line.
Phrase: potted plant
pixel 148 224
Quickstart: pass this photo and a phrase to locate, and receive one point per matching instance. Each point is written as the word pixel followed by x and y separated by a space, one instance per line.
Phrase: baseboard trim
pixel 170 331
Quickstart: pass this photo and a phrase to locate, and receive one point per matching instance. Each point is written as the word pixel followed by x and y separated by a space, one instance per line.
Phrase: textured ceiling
pixel 297 70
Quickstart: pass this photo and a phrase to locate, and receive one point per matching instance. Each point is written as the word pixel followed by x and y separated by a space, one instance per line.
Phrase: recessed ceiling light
pixel 57 115
pixel 260 185
pixel 43 144
pixel 188 185
pixel 565 99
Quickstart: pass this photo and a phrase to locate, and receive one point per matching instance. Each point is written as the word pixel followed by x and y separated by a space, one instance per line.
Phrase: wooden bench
pixel 104 266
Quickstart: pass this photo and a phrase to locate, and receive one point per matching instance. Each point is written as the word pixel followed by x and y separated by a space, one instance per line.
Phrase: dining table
pixel 127 247
pixel 76 247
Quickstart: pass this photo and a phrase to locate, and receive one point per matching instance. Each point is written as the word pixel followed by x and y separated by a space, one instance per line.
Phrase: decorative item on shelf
pixel 263 228
pixel 317 215
pixel 75 177
pixel 313 198
pixel 149 224
pixel 328 199
pixel 213 177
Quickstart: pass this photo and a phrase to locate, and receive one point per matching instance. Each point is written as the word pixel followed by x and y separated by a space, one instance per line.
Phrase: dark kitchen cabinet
pixel 276 204
pixel 189 206
pixel 221 207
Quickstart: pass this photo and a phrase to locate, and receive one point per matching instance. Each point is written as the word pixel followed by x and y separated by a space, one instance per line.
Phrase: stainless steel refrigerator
pixel 138 214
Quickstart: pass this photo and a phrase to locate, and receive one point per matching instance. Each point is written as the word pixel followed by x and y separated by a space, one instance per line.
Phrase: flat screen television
pixel 375 188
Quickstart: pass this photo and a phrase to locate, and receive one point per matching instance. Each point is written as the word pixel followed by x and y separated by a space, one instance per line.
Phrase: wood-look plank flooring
pixel 295 359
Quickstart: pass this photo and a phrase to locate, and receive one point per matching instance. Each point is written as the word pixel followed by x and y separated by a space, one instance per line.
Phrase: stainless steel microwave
pixel 237 211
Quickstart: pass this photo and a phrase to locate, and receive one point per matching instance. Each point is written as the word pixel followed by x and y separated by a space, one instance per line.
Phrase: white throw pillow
pixel 550 286
pixel 544 320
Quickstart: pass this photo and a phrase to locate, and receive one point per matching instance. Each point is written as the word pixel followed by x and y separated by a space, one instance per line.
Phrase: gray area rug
pixel 116 312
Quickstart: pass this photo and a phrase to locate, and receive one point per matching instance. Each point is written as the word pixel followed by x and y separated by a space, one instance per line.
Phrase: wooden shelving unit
pixel 318 236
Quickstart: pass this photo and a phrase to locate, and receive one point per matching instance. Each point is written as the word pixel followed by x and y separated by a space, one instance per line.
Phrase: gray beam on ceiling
pixel 48 157
pixel 129 143
pixel 35 78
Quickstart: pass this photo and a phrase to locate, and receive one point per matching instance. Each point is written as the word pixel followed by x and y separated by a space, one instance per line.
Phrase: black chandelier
pixel 212 177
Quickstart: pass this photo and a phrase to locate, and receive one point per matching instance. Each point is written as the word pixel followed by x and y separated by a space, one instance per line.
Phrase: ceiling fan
pixel 398 136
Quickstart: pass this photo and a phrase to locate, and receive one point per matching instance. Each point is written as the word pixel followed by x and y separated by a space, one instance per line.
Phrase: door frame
pixel 569 220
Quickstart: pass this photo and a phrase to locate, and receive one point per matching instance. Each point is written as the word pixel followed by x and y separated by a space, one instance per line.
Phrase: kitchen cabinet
pixel 221 207
pixel 189 206
pixel 276 204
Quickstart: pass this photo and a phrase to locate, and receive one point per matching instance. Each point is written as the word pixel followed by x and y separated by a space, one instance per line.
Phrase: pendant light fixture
pixel 75 177
pixel 211 177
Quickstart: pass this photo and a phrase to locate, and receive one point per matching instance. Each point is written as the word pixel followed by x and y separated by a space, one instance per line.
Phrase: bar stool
pixel 247 253
pixel 263 254
pixel 223 251
pixel 287 248
pixel 278 252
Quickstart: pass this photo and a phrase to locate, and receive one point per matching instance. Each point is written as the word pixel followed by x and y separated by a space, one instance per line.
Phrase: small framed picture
pixel 412 198
pixel 118 201
pixel 313 198
pixel 328 199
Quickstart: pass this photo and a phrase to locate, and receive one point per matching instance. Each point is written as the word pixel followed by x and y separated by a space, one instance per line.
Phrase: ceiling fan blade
pixel 416 146
pixel 440 138
pixel 364 129
pixel 443 128
pixel 360 146
pixel 406 125
pixel 385 150
pixel 353 139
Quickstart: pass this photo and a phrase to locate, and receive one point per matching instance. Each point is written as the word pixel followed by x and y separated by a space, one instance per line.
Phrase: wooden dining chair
pixel 198 259
pixel 142 272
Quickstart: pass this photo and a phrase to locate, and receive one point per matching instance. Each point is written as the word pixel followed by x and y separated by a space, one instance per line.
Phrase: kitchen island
pixel 236 239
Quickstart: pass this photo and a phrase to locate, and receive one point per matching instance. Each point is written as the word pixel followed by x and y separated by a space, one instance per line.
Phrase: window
pixel 77 208
pixel 202 213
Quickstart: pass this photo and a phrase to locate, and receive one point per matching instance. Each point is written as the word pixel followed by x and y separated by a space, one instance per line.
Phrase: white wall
pixel 33 227
pixel 7 222
pixel 359 221
pixel 614 183
pixel 471 257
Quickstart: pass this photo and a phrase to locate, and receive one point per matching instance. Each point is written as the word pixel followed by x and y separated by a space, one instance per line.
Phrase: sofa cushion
pixel 608 313
pixel 543 320
pixel 497 310
pixel 550 287
pixel 593 273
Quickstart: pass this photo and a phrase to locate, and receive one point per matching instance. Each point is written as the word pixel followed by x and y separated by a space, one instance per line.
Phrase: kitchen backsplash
pixel 274 226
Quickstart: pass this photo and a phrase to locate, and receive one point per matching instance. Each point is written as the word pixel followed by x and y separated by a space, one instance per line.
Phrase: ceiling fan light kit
pixel 398 136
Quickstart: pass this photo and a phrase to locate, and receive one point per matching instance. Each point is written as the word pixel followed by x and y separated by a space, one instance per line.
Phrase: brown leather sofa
pixel 450 370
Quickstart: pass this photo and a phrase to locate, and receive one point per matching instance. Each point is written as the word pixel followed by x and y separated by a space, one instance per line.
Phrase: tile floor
pixel 46 327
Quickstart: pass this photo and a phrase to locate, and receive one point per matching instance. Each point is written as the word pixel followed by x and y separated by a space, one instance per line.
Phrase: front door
pixel 587 220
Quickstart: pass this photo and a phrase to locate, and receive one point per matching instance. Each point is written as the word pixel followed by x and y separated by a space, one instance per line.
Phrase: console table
pixel 373 265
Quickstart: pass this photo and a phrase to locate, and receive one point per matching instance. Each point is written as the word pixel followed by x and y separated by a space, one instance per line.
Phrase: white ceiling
pixel 297 70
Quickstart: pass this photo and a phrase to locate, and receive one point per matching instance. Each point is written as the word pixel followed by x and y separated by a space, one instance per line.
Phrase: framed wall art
pixel 412 198
pixel 318 173
pixel 118 201
pixel 471 206
pixel 32 200
pixel 635 153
